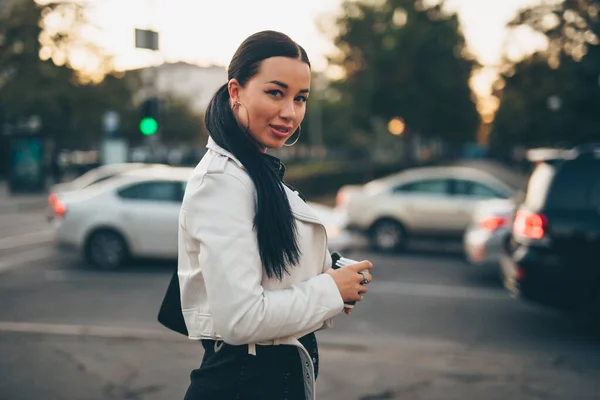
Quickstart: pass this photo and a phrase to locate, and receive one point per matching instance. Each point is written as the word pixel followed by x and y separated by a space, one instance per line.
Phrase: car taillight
pixel 493 223
pixel 52 199
pixel 529 224
pixel 60 208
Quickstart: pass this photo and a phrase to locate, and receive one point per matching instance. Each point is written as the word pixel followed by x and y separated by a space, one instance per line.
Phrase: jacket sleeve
pixel 328 323
pixel 328 260
pixel 219 215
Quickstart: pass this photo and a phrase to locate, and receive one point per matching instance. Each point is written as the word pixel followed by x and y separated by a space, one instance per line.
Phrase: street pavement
pixel 431 327
pixel 21 202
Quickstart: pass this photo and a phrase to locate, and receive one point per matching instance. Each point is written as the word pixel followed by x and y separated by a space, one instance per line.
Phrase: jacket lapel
pixel 300 209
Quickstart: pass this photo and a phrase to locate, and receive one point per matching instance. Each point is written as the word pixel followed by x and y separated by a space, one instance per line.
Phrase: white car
pixel 427 202
pixel 485 237
pixel 136 214
pixel 96 175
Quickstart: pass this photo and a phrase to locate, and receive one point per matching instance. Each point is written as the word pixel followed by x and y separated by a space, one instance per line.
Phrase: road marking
pixel 37 237
pixel 24 258
pixel 73 275
pixel 85 330
pixel 116 332
pixel 437 291
pixel 339 342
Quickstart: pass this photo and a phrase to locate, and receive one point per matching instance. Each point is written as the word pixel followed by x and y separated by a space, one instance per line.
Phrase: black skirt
pixel 274 373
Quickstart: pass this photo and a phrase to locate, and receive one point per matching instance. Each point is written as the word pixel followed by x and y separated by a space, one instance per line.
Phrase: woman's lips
pixel 280 130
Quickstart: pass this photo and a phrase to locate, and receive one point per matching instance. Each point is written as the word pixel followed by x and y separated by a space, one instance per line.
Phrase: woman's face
pixel 275 99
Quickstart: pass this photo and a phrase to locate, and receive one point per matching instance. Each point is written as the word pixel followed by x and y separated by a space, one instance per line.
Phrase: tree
pixel 570 26
pixel 38 78
pixel 401 58
pixel 553 97
pixel 532 110
pixel 179 123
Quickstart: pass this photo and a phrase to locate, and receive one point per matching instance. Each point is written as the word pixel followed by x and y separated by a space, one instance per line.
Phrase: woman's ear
pixel 233 87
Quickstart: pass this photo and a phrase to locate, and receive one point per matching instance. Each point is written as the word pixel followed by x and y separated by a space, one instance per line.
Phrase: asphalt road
pixel 431 327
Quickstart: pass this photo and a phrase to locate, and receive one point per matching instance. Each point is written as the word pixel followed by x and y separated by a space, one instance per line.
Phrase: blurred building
pixel 182 80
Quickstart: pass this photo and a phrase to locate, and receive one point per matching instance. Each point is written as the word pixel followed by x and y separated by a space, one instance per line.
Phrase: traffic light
pixel 149 118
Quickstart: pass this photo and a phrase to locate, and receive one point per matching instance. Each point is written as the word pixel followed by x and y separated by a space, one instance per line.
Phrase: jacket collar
pixel 212 145
pixel 275 162
pixel 298 205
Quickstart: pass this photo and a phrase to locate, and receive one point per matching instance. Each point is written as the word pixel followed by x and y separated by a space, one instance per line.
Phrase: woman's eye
pixel 279 93
pixel 275 93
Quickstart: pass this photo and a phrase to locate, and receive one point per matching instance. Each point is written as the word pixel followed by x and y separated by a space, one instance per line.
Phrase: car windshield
pixel 99 174
pixel 515 180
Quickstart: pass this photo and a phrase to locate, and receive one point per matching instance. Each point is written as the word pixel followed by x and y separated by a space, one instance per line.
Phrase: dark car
pixel 552 255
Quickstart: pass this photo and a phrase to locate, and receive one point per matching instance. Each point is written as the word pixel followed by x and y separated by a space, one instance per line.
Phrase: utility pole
pixel 150 124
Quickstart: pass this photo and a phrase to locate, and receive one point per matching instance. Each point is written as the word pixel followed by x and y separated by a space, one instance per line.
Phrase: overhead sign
pixel 146 39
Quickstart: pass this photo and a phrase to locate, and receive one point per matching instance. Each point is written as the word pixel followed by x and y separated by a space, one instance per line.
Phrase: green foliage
pixel 570 26
pixel 568 71
pixel 69 102
pixel 179 123
pixel 525 115
pixel 401 58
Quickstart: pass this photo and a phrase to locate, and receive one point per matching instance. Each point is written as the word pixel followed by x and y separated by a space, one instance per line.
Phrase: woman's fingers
pixel 362 289
pixel 363 265
pixel 366 278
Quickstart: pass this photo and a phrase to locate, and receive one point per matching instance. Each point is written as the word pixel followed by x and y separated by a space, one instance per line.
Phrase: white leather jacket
pixel 225 293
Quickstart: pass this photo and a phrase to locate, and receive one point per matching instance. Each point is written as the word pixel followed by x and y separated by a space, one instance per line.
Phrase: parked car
pixel 92 177
pixel 136 213
pixel 485 237
pixel 431 202
pixel 553 254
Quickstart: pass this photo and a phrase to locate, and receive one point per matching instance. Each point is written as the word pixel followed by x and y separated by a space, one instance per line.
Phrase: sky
pixel 207 32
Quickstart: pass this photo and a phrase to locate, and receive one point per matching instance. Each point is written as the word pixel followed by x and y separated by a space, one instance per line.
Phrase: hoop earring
pixel 297 138
pixel 239 103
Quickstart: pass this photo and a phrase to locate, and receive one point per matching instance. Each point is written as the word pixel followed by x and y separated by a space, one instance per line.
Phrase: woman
pixel 254 269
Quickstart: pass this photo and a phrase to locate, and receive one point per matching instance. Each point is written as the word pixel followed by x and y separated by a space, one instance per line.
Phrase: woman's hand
pixel 349 280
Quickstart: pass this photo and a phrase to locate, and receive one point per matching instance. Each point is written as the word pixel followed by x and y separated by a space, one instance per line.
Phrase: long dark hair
pixel 274 223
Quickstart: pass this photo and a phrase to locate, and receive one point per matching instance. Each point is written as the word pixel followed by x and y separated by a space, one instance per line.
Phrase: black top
pixel 276 164
pixel 279 169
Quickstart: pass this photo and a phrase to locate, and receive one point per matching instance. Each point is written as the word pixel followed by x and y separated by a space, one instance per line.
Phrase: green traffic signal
pixel 148 126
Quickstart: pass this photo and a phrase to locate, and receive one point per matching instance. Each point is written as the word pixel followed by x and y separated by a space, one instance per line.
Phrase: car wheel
pixel 106 249
pixel 388 235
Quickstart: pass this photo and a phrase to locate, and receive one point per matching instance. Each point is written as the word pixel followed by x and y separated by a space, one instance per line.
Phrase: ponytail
pixel 273 222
